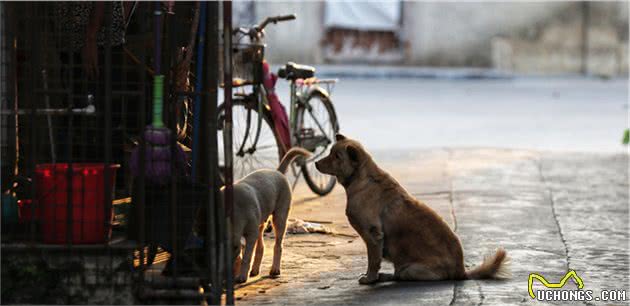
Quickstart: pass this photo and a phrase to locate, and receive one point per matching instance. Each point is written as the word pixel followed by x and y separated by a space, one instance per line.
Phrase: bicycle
pixel 261 134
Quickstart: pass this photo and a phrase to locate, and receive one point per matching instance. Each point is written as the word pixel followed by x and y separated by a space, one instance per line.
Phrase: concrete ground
pixel 551 211
pixel 498 159
pixel 561 113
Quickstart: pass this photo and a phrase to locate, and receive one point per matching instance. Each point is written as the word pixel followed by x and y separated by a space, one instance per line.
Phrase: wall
pixel 589 38
pixel 459 34
pixel 37 276
pixel 297 40
pixel 469 34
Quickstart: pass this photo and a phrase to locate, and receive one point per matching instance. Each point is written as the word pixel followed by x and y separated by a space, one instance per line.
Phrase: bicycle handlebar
pixel 285 17
pixel 275 20
pixel 257 29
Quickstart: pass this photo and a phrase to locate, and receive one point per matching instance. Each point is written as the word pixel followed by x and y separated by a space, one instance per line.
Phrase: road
pixel 553 212
pixel 534 165
pixel 560 114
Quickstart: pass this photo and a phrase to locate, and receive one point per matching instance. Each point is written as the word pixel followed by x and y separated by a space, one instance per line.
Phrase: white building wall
pixel 456 34
pixel 447 33
pixel 297 40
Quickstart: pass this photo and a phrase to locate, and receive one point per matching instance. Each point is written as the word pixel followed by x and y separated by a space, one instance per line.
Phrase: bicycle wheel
pixel 249 152
pixel 316 129
pixel 183 117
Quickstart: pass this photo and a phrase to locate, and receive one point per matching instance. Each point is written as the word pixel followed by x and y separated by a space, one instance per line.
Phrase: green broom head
pixel 158 152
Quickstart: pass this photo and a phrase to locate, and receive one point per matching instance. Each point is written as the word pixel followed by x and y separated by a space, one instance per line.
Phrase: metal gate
pixel 99 203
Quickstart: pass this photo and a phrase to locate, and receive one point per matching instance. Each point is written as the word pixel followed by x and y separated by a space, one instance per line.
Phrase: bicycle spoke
pixel 267 147
pixel 318 124
pixel 297 177
pixel 253 154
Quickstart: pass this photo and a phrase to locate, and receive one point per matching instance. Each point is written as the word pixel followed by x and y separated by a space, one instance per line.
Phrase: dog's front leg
pixel 260 250
pixel 374 241
pixel 237 265
pixel 250 242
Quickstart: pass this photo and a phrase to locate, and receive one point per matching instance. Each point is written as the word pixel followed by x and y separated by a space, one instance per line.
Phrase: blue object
pixel 10 210
pixel 193 242
pixel 197 109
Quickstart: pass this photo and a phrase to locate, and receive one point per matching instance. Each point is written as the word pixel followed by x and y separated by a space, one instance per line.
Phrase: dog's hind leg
pixel 417 272
pixel 279 227
pixel 260 250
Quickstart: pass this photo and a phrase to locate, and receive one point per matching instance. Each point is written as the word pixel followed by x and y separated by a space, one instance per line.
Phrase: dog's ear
pixel 353 153
pixel 339 137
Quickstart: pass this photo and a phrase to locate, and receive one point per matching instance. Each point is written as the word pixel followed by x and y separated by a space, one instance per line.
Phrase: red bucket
pixel 89 221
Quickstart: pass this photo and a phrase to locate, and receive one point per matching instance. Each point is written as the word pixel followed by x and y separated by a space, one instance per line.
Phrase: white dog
pixel 257 196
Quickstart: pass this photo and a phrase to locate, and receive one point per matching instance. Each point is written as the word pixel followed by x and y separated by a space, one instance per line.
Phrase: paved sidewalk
pixel 367 71
pixel 551 211
pixel 568 114
pixel 414 72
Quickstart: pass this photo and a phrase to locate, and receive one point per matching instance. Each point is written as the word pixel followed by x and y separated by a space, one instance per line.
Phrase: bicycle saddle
pixel 293 71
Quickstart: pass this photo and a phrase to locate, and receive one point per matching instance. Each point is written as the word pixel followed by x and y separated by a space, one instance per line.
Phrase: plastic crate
pixel 90 216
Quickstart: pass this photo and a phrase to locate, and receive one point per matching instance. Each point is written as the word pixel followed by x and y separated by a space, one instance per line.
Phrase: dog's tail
pixel 495 266
pixel 288 158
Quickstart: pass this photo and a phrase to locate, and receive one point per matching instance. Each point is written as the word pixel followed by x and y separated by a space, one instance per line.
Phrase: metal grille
pixel 83 218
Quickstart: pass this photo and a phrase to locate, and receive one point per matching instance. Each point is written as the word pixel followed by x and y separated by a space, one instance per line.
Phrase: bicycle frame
pixel 299 92
pixel 310 121
pixel 298 98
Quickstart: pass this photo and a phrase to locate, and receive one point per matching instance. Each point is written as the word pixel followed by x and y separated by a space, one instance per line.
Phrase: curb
pixel 346 71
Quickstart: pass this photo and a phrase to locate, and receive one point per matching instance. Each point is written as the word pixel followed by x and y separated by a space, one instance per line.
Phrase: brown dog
pixel 397 227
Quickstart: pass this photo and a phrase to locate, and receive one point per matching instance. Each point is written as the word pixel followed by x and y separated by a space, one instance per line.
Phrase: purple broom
pixel 156 136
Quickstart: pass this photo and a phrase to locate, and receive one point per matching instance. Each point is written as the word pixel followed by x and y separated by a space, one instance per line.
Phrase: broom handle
pixel 158 37
pixel 158 79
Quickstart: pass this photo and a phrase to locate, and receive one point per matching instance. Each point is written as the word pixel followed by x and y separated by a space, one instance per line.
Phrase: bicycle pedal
pixel 306 133
pixel 313 142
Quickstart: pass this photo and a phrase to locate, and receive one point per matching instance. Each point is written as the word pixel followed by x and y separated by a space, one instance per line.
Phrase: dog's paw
pixel 386 277
pixel 254 272
pixel 240 279
pixel 366 280
pixel 274 272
